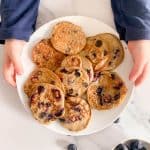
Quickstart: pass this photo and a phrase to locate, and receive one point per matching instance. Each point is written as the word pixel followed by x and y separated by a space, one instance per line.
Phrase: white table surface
pixel 19 132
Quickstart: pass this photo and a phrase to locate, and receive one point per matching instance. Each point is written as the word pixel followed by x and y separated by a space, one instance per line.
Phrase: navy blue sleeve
pixel 132 18
pixel 18 18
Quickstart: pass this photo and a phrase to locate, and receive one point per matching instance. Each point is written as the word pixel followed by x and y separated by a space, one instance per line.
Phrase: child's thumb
pixel 136 70
pixel 17 65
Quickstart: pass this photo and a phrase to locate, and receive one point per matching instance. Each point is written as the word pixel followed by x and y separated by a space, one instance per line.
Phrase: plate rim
pixel 32 38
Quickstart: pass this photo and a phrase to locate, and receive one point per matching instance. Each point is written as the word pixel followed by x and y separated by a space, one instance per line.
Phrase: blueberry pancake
pixel 44 55
pixel 116 51
pixel 75 80
pixel 96 51
pixel 41 75
pixel 68 38
pixel 87 66
pixel 47 103
pixel 77 114
pixel 106 92
pixel 72 61
pixel 79 61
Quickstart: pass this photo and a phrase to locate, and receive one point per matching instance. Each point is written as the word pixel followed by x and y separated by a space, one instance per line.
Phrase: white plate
pixel 99 119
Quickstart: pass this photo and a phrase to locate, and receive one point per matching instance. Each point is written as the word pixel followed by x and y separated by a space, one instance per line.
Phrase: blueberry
pixel 77 109
pixel 70 92
pixel 117 87
pixel 40 89
pixel 136 144
pixel 110 63
pixel 59 113
pixel 98 43
pixel 105 52
pixel 40 104
pixel 143 148
pixel 117 120
pixel 114 57
pixel 101 101
pixel 121 147
pixel 56 93
pixel 48 104
pixel 107 98
pixel 77 73
pixel 117 96
pixel 98 74
pixel 63 70
pixel 88 71
pixel 94 55
pixel 117 51
pixel 99 90
pixel 120 84
pixel 113 76
pixel 62 120
pixel 72 147
pixel 42 115
pixel 52 82
pixel 50 116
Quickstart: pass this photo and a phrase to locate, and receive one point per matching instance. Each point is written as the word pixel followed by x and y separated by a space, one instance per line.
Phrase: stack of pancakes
pixel 74 74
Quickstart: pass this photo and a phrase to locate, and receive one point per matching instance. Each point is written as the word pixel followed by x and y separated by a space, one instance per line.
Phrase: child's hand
pixel 12 61
pixel 140 51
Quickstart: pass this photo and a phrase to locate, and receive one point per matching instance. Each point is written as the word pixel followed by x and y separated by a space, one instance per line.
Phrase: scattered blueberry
pixel 121 147
pixel 143 148
pixel 136 144
pixel 117 120
pixel 72 147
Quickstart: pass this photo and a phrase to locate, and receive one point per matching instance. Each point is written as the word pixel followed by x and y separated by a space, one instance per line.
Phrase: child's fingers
pixel 17 64
pixel 144 75
pixel 8 72
pixel 136 70
pixel 9 77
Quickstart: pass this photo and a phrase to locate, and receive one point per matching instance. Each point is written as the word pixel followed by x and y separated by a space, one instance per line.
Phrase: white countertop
pixel 19 132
